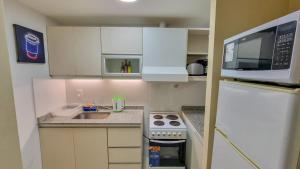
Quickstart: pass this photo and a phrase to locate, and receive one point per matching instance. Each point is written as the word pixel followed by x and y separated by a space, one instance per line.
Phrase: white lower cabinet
pixel 57 148
pixel 125 148
pixel 194 147
pixel 125 166
pixel 88 148
pixel 124 137
pixel 125 155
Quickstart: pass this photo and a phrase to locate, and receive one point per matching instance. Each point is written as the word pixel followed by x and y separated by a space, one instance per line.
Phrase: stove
pixel 166 125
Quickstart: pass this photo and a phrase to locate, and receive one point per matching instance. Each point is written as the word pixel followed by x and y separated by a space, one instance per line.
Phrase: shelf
pixel 112 65
pixel 198 31
pixel 197 78
pixel 197 54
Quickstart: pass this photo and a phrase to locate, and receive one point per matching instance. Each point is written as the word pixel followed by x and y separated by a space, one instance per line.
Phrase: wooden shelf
pixel 197 78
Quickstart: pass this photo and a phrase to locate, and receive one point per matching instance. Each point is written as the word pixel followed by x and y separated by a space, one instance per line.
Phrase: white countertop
pixel 128 118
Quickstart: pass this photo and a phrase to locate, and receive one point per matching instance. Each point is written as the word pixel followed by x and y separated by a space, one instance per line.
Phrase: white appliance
pixel 257 127
pixel 270 52
pixel 166 125
pixel 165 54
pixel 168 133
pixel 118 103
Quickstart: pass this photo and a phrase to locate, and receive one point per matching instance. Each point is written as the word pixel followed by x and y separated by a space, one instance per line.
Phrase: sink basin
pixel 102 115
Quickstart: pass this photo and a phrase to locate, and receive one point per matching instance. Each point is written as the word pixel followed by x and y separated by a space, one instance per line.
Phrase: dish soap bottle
pixel 129 67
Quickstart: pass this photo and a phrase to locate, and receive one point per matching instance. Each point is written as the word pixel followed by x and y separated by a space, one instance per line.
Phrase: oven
pixel 167 154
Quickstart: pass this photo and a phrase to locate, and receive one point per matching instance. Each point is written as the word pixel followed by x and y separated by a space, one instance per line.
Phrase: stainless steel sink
pixel 94 115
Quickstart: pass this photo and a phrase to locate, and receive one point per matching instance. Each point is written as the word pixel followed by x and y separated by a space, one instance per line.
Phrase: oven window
pixel 169 155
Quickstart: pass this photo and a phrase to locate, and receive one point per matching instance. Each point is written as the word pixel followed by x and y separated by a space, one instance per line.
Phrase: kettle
pixel 195 69
pixel 118 103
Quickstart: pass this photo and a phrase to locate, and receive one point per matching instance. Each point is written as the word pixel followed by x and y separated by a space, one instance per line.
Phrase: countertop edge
pixel 189 123
pixel 89 125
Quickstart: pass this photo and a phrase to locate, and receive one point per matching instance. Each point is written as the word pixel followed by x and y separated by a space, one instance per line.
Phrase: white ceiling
pixel 113 11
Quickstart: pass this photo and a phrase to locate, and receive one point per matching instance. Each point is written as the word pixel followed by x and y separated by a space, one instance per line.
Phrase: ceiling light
pixel 128 0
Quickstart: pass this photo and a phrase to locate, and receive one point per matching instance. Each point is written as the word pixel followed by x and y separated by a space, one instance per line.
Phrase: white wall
pixel 154 96
pixel 55 92
pixel 22 75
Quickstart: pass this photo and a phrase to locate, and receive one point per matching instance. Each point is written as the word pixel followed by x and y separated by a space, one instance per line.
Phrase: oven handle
pixel 167 142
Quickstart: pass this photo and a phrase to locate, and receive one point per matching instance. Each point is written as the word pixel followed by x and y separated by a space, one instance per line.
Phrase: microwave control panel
pixel 284 46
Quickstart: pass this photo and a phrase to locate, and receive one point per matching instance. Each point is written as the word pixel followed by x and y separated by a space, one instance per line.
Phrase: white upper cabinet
pixel 87 51
pixel 165 54
pixel 60 49
pixel 74 51
pixel 122 40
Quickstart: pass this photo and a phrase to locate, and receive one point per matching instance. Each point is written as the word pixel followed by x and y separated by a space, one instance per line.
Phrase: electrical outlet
pixel 79 94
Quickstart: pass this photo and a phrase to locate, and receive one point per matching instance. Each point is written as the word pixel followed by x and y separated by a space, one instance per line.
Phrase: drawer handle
pixel 168 142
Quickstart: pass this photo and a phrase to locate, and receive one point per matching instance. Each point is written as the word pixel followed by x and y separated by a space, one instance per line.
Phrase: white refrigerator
pixel 257 127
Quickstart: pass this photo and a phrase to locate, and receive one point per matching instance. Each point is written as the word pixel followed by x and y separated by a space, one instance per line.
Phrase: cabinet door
pixel 57 148
pixel 87 51
pixel 124 137
pixel 125 166
pixel 196 154
pixel 61 51
pixel 193 148
pixel 122 40
pixel 164 47
pixel 91 148
pixel 125 155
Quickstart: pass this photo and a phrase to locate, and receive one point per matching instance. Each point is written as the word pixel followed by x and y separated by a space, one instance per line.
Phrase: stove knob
pixel 158 133
pixel 153 133
pixel 164 133
pixel 174 134
pixel 169 133
pixel 179 134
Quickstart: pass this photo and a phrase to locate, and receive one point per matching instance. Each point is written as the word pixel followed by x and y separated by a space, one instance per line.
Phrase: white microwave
pixel 270 52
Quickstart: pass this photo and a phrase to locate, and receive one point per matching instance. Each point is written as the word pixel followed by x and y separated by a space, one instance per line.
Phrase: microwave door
pixel 252 52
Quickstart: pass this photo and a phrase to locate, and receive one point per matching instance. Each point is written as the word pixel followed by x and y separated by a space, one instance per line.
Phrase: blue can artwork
pixel 154 156
pixel 30 45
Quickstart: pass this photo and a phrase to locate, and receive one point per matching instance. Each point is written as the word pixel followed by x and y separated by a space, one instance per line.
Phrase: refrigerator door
pixel 225 156
pixel 262 121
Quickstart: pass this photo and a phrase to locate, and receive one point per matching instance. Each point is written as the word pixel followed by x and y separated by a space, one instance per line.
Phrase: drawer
pixel 125 166
pixel 125 155
pixel 124 137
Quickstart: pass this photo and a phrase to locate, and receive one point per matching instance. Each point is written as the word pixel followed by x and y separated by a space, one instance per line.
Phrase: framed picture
pixel 29 44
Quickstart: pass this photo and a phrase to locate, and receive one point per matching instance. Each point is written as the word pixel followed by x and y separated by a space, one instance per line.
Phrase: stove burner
pixel 172 117
pixel 158 117
pixel 174 123
pixel 159 123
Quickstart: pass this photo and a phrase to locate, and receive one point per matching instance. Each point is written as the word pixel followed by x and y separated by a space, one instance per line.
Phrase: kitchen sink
pixel 94 115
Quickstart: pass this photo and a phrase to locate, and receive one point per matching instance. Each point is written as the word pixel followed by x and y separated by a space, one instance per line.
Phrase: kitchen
pixel 136 64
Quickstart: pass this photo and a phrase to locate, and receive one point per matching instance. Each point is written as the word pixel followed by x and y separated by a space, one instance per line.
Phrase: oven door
pixel 252 52
pixel 171 154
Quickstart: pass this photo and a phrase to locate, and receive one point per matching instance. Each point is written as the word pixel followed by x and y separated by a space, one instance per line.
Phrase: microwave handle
pixel 168 142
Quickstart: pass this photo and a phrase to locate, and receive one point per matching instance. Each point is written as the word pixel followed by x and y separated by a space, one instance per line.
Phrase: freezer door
pixel 260 121
pixel 225 156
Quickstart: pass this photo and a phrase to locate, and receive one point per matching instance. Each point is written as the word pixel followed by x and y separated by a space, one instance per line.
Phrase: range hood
pixel 165 74
pixel 165 54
